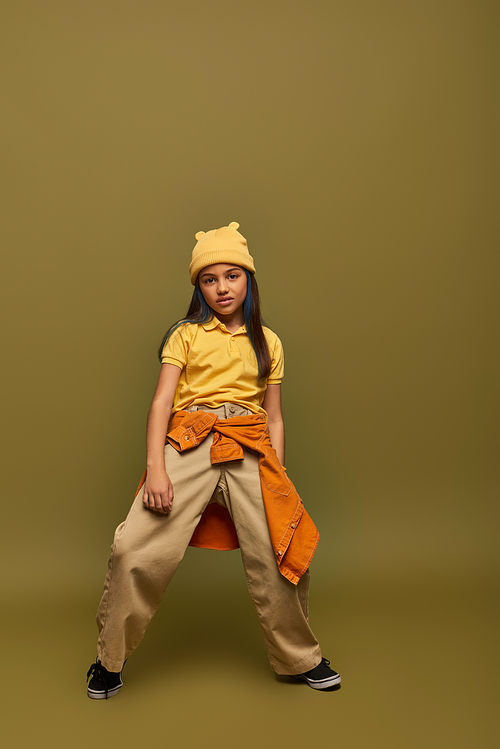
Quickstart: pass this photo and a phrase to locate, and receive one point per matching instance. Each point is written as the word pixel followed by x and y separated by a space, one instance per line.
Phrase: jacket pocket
pixel 274 476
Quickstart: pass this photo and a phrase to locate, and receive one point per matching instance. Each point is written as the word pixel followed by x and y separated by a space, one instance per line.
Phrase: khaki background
pixel 356 143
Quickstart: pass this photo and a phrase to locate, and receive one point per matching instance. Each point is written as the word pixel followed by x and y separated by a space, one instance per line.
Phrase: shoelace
pixel 98 671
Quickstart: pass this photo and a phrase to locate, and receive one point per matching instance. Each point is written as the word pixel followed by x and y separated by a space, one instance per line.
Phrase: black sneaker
pixel 321 676
pixel 103 683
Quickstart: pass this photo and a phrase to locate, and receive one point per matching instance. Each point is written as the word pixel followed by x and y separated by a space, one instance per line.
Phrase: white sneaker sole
pixel 102 695
pixel 332 681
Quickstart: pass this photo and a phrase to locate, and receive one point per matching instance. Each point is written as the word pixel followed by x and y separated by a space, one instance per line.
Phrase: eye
pixel 209 280
pixel 232 276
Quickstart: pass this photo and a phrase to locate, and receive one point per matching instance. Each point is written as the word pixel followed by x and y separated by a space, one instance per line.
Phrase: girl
pixel 215 475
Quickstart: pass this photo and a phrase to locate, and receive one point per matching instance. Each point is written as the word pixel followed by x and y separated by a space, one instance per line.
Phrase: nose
pixel 222 287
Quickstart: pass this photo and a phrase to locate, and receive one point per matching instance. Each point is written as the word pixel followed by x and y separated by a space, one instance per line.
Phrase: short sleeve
pixel 277 364
pixel 175 351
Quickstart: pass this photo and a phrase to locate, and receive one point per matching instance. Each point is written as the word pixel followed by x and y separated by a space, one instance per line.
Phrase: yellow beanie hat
pixel 224 245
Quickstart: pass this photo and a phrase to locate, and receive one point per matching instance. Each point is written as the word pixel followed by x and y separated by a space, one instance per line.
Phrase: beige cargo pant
pixel 148 547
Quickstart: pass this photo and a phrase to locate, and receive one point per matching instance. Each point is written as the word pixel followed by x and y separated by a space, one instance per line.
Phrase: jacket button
pixel 293 525
pixel 280 553
pixel 186 437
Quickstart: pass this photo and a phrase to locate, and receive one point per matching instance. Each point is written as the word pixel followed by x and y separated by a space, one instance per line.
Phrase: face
pixel 224 288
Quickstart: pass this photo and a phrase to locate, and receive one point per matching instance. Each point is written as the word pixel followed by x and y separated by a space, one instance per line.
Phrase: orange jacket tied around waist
pixel 293 534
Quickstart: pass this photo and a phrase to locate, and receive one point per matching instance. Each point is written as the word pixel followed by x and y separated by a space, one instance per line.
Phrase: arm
pixel 158 490
pixel 272 406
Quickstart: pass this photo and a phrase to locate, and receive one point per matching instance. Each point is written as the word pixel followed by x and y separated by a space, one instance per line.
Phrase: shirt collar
pixel 214 323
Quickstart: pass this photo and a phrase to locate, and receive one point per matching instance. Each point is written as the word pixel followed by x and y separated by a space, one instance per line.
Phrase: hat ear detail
pixel 199 234
pixel 234 225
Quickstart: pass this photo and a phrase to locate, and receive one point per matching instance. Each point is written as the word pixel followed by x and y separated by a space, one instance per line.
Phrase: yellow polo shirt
pixel 219 366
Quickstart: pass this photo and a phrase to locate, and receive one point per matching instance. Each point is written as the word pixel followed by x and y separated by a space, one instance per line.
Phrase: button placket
pixel 233 349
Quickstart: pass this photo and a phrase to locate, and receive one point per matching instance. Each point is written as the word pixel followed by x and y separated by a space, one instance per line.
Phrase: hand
pixel 158 491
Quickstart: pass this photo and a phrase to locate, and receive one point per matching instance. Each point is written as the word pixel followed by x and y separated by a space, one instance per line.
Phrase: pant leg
pixel 146 551
pixel 282 607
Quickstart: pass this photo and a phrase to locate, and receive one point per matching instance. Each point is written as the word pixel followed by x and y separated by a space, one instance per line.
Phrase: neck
pixel 233 321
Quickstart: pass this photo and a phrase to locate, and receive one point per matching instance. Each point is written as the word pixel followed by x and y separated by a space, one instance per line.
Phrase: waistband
pixel 226 411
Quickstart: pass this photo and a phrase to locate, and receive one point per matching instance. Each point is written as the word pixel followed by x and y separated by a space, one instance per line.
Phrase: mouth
pixel 225 300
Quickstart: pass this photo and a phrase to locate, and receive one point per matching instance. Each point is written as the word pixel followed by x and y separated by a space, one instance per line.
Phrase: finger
pixel 148 501
pixel 158 503
pixel 163 508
